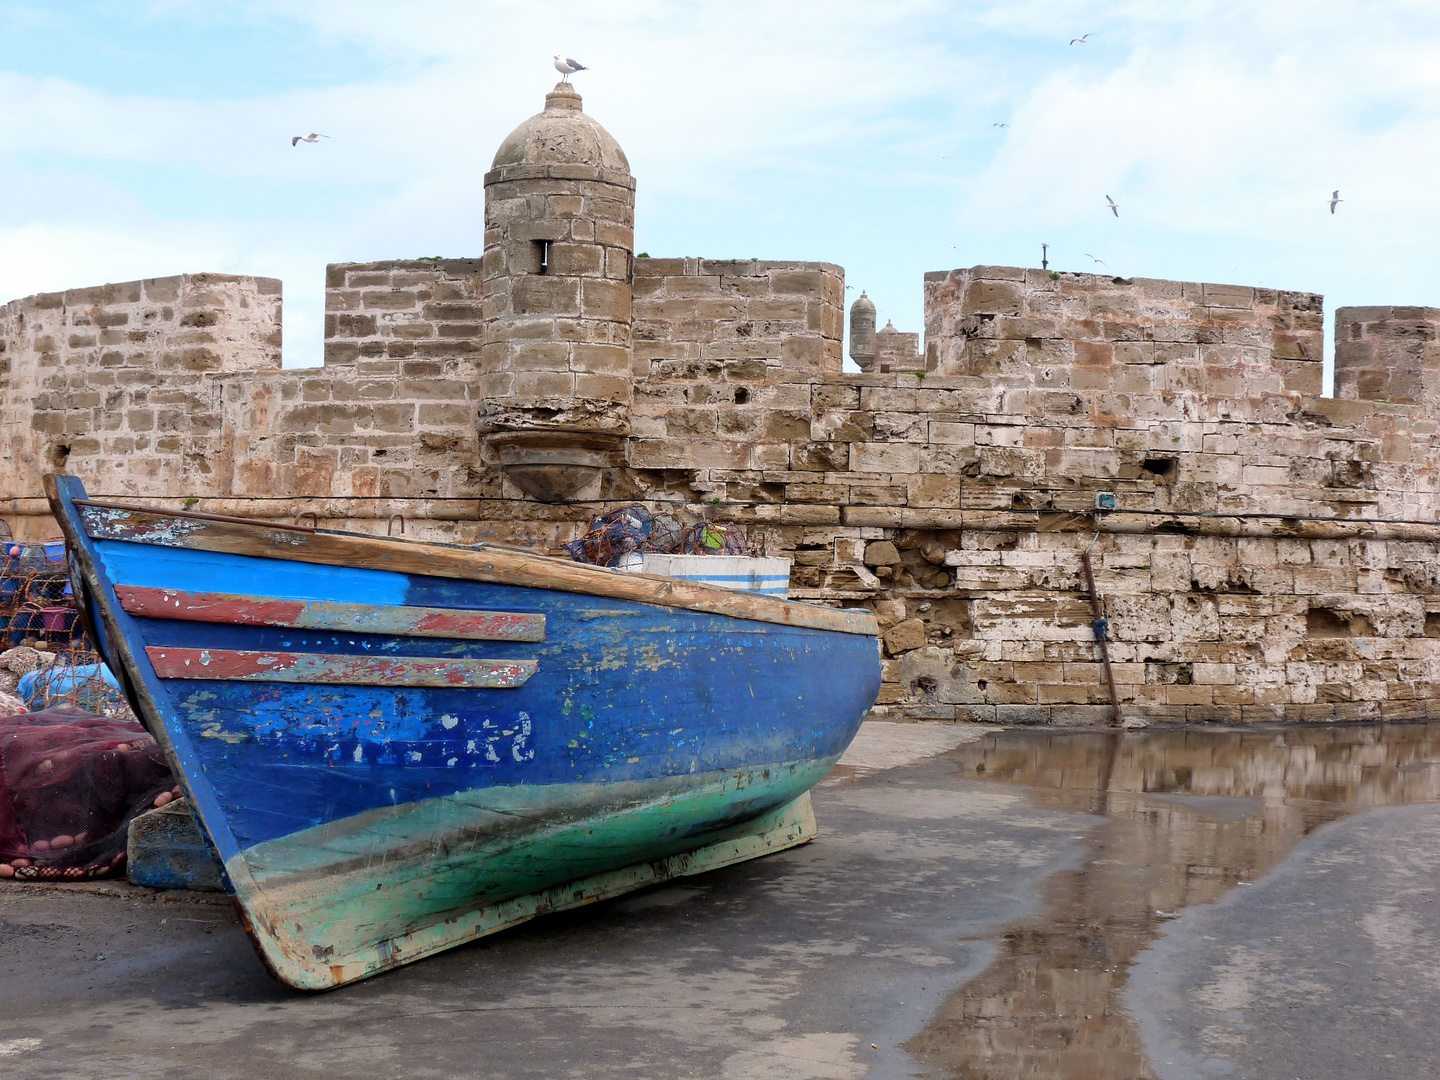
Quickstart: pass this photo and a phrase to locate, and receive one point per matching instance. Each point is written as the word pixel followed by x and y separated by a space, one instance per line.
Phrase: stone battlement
pixel 1271 554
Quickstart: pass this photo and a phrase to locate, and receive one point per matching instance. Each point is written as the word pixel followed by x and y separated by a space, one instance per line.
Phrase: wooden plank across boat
pixel 396 747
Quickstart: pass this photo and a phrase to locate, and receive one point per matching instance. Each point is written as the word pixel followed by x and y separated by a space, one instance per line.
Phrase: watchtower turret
pixel 555 362
pixel 862 332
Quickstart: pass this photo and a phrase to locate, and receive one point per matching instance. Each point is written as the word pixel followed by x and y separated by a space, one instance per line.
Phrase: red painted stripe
pixel 209 607
pixel 236 610
pixel 337 669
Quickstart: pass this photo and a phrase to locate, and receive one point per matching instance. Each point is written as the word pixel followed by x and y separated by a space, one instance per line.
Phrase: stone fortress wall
pixel 1273 554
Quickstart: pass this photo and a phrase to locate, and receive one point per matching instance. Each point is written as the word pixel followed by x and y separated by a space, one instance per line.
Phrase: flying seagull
pixel 1079 40
pixel 1102 262
pixel 1335 198
pixel 312 137
pixel 999 125
pixel 1044 262
pixel 1114 207
pixel 567 67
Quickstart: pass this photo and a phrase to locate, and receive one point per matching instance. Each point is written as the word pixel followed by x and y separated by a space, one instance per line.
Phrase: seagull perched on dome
pixel 312 137
pixel 567 66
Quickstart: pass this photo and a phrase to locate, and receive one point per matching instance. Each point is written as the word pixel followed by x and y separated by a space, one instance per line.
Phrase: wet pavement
pixel 1159 903
pixel 1190 818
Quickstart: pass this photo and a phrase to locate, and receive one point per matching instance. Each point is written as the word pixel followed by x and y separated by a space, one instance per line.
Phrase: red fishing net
pixel 69 784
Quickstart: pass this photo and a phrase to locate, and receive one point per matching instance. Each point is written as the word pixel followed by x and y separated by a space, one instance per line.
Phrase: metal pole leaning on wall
pixel 1101 625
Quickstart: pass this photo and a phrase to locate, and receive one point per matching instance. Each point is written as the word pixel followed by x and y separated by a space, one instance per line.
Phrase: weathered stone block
pixel 992 297
pixel 884 458
pixel 603 388
pixel 388 299
pixel 881 553
pixel 544 294
pixel 798 282
pixel 904 636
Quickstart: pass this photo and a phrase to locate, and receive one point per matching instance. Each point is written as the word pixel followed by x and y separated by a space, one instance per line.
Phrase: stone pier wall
pixel 955 501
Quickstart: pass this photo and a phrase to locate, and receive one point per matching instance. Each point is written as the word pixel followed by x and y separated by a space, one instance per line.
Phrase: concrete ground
pixel 942 925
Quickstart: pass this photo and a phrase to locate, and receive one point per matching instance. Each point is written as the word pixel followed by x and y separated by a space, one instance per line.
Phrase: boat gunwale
pixel 491 563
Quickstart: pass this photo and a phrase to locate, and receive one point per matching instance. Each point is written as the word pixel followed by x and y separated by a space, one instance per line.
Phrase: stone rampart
pixel 710 316
pixel 417 309
pixel 117 382
pixel 171 389
pixel 1388 354
pixel 896 350
pixel 1124 336
pixel 1272 554
pixel 1238 574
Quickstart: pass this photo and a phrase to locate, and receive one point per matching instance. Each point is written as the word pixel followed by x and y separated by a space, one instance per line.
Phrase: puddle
pixel 1189 814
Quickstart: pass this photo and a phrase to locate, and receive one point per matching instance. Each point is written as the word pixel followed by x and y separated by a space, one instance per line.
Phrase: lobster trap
pixel 37 603
pixel 46 660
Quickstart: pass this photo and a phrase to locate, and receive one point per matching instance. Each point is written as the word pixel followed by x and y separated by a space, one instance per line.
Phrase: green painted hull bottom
pixel 394 888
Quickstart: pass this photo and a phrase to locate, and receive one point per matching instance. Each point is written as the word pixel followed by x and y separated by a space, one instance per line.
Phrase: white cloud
pixel 847 131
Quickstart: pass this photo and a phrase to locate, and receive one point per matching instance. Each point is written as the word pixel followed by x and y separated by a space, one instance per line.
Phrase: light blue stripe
pixel 208 571
pixel 771 586
pixel 732 577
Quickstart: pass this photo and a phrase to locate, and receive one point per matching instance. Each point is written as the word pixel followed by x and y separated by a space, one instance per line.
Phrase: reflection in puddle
pixel 1190 815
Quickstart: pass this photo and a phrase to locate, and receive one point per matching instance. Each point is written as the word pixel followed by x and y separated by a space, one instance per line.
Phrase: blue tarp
pixel 84 685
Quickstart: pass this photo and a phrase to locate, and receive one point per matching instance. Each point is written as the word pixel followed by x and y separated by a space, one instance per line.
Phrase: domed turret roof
pixel 561 135
pixel 862 303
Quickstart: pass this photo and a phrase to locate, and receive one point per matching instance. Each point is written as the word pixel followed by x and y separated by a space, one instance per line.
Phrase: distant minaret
pixel 862 332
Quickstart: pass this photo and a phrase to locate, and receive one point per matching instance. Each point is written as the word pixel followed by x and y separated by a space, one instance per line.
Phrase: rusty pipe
pixel 1101 626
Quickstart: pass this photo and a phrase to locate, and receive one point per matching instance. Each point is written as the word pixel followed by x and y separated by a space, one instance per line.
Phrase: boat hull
pixel 359 916
pixel 391 762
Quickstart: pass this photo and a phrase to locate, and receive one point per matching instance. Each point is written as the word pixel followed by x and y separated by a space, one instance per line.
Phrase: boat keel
pixel 789 826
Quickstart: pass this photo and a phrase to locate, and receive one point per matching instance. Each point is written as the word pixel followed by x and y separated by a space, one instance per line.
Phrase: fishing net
pixel 75 767
pixel 620 537
pixel 713 538
pixel 70 782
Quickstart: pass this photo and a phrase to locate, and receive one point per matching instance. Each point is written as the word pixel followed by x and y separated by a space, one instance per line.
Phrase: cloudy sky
pixel 141 139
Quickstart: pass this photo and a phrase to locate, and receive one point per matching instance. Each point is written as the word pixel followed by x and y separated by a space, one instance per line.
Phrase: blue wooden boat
pixel 396 747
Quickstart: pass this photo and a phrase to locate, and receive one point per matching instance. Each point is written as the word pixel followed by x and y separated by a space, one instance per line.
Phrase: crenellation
pixel 1271 554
